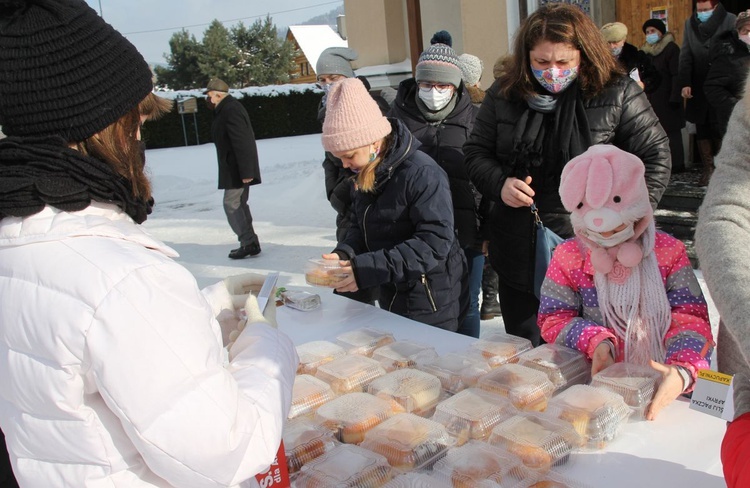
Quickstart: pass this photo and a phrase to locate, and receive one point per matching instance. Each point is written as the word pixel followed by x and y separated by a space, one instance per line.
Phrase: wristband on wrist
pixel 687 378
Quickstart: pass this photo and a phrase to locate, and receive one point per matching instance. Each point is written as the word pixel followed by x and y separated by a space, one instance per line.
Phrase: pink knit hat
pixel 353 118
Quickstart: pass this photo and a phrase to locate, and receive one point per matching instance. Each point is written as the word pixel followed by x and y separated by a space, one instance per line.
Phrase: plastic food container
pixel 301 300
pixel 564 366
pixel 596 414
pixel 323 272
pixel 457 371
pixel 409 442
pixel 635 383
pixel 305 441
pixel 315 353
pixel 540 441
pixel 349 374
pixel 472 414
pixel 364 341
pixel 417 480
pixel 527 389
pixel 308 393
pixel 345 466
pixel 498 348
pixel 416 391
pixel 403 354
pixel 350 416
pixel 478 464
pixel 554 480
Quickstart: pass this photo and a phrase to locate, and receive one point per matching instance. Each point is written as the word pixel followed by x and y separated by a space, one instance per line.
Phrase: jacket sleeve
pixel 338 184
pixel 720 85
pixel 686 59
pixel 155 358
pixel 242 139
pixel 560 306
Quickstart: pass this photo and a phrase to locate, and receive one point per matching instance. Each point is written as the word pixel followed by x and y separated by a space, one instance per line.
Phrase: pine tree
pixel 182 71
pixel 264 58
pixel 219 55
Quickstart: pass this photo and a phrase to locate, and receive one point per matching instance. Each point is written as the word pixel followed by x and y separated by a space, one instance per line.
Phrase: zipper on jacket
pixel 390 305
pixel 429 292
pixel 364 227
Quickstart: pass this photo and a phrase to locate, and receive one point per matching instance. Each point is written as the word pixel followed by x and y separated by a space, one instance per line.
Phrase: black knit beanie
pixel 656 24
pixel 64 71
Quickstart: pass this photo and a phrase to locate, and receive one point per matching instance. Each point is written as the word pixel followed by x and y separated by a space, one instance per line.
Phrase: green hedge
pixel 279 115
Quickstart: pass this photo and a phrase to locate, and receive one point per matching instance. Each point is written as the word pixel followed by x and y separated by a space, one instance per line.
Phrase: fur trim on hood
pixel 476 94
pixel 656 49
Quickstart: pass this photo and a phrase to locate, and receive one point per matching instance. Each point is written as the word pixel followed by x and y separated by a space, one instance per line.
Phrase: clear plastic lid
pixel 540 441
pixel 416 480
pixel 415 390
pixel 478 464
pixel 457 371
pixel 472 413
pixel 349 373
pixel 554 480
pixel 403 354
pixel 498 348
pixel 313 354
pixel 345 466
pixel 364 341
pixel 350 416
pixel 409 442
pixel 323 272
pixel 597 414
pixel 527 389
pixel 304 441
pixel 564 366
pixel 308 394
pixel 635 383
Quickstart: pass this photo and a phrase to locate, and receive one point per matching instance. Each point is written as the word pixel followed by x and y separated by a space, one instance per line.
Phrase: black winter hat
pixel 64 71
pixel 656 24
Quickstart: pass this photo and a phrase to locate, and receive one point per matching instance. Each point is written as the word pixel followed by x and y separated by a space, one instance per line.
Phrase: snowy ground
pixel 291 214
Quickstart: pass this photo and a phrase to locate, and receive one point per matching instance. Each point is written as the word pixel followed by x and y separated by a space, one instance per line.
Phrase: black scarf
pixel 35 172
pixel 705 30
pixel 571 134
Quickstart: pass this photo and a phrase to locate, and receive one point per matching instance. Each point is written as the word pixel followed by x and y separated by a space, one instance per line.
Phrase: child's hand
pixel 602 357
pixel 670 388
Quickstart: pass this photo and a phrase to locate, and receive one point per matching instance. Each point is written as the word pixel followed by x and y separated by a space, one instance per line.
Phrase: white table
pixel 679 449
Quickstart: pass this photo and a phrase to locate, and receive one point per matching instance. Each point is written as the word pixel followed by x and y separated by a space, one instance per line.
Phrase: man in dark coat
pixel 238 164
pixel 635 63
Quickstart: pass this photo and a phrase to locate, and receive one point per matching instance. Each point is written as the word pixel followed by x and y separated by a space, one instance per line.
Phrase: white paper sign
pixel 712 390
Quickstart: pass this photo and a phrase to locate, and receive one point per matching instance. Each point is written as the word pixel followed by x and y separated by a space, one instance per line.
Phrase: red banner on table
pixel 277 474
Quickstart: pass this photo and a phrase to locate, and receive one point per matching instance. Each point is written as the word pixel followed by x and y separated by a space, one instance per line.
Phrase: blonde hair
pixel 366 177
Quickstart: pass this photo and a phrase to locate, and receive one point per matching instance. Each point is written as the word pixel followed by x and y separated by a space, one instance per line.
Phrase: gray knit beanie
pixel 336 61
pixel 439 63
pixel 471 68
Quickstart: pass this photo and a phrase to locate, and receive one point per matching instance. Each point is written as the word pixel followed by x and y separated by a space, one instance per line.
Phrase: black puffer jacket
pixel 620 115
pixel 443 141
pixel 403 240
pixel 725 81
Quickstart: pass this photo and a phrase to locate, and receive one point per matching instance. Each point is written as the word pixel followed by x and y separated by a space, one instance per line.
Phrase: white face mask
pixel 434 99
pixel 614 239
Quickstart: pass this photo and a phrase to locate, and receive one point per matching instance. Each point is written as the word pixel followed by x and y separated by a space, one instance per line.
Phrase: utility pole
pixel 100 9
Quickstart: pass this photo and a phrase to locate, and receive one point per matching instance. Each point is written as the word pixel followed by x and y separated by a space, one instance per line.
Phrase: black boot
pixel 490 306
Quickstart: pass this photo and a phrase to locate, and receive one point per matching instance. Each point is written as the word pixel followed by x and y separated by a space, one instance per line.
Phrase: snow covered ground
pixel 291 214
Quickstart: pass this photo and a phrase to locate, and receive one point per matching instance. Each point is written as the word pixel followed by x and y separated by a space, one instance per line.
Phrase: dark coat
pixel 725 82
pixel 235 145
pixel 631 58
pixel 694 58
pixel 666 99
pixel 443 141
pixel 403 240
pixel 621 115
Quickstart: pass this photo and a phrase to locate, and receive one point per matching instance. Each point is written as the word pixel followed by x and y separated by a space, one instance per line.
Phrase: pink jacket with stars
pixel 569 311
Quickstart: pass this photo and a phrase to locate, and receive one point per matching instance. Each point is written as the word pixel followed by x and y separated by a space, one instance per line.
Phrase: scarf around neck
pixel 441 114
pixel 656 48
pixel 40 171
pixel 706 30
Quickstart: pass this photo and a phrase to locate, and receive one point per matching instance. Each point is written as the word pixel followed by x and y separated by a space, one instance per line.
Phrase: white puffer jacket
pixel 111 364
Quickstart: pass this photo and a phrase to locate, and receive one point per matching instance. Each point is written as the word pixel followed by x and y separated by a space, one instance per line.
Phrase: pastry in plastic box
pixel 478 465
pixel 409 442
pixel 417 480
pixel 527 389
pixel 323 272
pixel 597 414
pixel 350 416
pixel 540 441
pixel 349 374
pixel 564 366
pixel 472 413
pixel 555 480
pixel 457 371
pixel 403 354
pixel 363 341
pixel 499 348
pixel 308 393
pixel 300 300
pixel 304 441
pixel 345 466
pixel 418 392
pixel 635 383
pixel 316 353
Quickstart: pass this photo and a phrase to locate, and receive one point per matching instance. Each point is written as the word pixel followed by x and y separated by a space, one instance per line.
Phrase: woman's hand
pixel 517 193
pixel 602 357
pixel 670 388
pixel 486 248
pixel 346 283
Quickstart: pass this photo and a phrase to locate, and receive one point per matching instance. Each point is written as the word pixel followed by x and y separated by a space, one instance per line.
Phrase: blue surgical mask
pixel 652 38
pixel 704 16
pixel 616 51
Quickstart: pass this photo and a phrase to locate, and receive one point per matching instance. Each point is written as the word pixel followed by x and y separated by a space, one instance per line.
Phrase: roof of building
pixel 314 39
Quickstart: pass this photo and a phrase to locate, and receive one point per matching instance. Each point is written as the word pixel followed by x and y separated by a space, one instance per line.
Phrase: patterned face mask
pixel 555 80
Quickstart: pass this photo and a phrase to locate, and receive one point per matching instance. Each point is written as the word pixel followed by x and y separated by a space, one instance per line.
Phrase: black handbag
pixel 546 241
